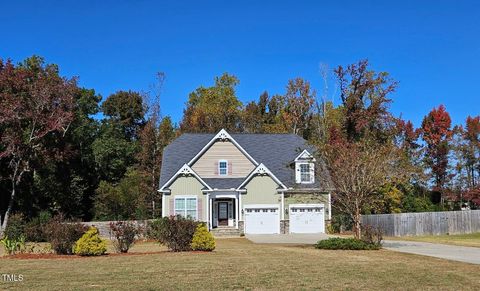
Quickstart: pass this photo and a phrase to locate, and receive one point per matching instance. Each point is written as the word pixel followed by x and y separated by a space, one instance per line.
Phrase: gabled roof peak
pixel 305 155
pixel 261 169
pixel 185 170
pixel 222 135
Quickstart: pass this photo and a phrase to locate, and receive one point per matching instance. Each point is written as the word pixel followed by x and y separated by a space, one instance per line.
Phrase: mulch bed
pixel 27 256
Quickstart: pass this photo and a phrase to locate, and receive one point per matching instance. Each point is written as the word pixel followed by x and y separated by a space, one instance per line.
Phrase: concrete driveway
pixel 297 238
pixel 449 252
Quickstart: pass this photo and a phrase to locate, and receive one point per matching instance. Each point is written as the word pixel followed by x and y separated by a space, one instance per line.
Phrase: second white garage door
pixel 262 219
pixel 307 218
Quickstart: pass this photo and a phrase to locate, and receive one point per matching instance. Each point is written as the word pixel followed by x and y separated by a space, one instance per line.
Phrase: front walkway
pixel 449 252
pixel 297 238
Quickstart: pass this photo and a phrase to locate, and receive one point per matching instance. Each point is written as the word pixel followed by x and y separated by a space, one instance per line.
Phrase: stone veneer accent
pixel 241 227
pixel 284 226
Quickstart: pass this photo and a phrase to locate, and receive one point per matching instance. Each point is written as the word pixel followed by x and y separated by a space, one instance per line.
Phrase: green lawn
pixel 469 240
pixel 239 264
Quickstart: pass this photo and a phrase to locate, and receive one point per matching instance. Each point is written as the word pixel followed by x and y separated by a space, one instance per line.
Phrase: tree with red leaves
pixel 437 134
pixel 36 104
pixel 365 98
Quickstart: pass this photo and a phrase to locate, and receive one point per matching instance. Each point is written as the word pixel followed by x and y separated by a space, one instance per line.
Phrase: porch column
pixel 236 210
pixel 329 206
pixel 282 204
pixel 210 220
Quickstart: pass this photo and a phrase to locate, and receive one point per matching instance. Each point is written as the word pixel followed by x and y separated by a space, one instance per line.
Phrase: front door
pixel 223 213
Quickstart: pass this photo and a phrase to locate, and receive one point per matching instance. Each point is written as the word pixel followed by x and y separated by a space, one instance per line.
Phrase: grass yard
pixel 239 264
pixel 468 240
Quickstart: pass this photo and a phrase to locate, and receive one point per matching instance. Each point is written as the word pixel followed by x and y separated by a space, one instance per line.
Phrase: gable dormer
pixel 223 157
pixel 305 168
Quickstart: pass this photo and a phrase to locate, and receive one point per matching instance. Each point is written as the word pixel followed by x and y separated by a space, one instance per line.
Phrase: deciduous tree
pixel 437 134
pixel 358 171
pixel 213 108
pixel 35 104
pixel 365 98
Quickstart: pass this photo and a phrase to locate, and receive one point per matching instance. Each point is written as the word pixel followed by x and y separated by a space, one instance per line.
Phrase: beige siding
pixel 306 199
pixel 206 165
pixel 189 186
pixel 261 190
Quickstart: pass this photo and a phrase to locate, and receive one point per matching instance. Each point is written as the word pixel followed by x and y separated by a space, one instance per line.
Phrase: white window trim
pixel 185 197
pixel 298 168
pixel 226 168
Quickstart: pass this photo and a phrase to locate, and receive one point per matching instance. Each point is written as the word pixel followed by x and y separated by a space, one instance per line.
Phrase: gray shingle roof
pixel 223 183
pixel 276 151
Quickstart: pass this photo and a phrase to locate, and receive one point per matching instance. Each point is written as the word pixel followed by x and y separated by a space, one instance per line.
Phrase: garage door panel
pixel 307 218
pixel 262 219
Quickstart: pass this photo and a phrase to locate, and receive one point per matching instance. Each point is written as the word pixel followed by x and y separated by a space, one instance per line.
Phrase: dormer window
pixel 305 168
pixel 223 167
pixel 305 173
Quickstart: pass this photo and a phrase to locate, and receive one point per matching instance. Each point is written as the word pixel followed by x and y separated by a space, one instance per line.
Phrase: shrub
pixel 124 233
pixel 15 228
pixel 330 229
pixel 202 239
pixel 341 223
pixel 13 246
pixel 35 228
pixel 63 234
pixel 175 232
pixel 336 243
pixel 90 244
pixel 372 235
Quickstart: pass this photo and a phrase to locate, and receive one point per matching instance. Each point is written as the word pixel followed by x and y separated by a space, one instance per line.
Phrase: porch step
pixel 225 232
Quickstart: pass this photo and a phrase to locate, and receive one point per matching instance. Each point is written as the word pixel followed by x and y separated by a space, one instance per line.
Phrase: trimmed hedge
pixel 337 243
pixel 90 244
pixel 202 239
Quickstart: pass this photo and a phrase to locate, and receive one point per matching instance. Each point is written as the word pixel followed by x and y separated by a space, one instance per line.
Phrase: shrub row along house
pixel 251 183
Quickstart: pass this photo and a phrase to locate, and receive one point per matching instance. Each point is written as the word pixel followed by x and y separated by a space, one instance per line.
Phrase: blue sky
pixel 432 48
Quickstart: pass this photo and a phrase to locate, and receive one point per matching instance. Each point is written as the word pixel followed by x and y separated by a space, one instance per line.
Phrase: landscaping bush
pixel 175 232
pixel 13 246
pixel 63 234
pixel 124 233
pixel 90 244
pixel 15 228
pixel 336 243
pixel 202 239
pixel 35 228
pixel 372 235
pixel 341 223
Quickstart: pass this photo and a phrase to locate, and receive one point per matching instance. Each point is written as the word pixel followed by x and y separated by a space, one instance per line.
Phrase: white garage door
pixel 307 218
pixel 262 219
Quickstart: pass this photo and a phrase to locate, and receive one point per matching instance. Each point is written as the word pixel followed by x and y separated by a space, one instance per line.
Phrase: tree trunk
pixel 9 209
pixel 356 224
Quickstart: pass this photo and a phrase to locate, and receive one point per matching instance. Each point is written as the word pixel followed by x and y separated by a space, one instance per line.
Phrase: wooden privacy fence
pixel 425 223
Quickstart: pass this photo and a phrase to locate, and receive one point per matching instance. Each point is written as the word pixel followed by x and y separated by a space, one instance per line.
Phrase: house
pixel 253 183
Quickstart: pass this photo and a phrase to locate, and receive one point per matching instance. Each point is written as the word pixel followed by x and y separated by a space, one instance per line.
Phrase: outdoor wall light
pixel 286 210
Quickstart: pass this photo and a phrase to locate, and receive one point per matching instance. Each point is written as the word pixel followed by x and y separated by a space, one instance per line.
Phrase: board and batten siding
pixel 425 223
pixel 207 165
pixel 186 186
pixel 261 190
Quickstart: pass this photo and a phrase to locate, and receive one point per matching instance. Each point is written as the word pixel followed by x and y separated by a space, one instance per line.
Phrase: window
pixel 304 172
pixel 222 168
pixel 186 207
